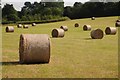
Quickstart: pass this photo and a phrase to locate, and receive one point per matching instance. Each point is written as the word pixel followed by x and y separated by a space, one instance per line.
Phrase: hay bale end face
pixel 26 26
pixel 87 27
pixel 58 33
pixel 34 48
pixel 65 28
pixel 118 20
pixel 97 34
pixel 33 24
pixel 117 24
pixel 9 29
pixel 93 18
pixel 77 25
pixel 110 30
pixel 19 25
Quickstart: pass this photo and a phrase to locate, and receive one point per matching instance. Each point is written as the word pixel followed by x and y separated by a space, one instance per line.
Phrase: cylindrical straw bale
pixel 117 24
pixel 25 26
pixel 76 25
pixel 34 48
pixel 118 20
pixel 65 28
pixel 9 29
pixel 58 33
pixel 97 34
pixel 33 24
pixel 19 25
pixel 93 18
pixel 110 30
pixel 87 27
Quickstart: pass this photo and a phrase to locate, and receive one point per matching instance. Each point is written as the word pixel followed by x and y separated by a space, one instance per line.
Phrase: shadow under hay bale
pixel 87 27
pixel 9 29
pixel 93 18
pixel 97 34
pixel 110 30
pixel 58 33
pixel 34 48
pixel 65 28
pixel 33 24
pixel 25 26
pixel 19 25
pixel 117 24
pixel 76 25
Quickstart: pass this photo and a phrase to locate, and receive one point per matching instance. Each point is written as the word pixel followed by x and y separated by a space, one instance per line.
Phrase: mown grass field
pixel 74 56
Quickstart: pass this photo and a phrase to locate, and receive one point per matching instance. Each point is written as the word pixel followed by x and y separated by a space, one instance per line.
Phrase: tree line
pixel 54 10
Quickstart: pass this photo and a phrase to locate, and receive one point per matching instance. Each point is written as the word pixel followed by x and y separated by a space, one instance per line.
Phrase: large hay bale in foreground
pixel 9 29
pixel 25 26
pixel 77 25
pixel 34 48
pixel 65 28
pixel 87 27
pixel 92 18
pixel 33 24
pixel 19 25
pixel 117 24
pixel 110 30
pixel 97 34
pixel 58 33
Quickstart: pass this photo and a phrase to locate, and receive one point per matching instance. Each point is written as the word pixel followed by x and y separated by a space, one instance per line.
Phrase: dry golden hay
pixel 97 34
pixel 76 25
pixel 58 33
pixel 33 24
pixel 87 27
pixel 110 30
pixel 34 48
pixel 9 29
pixel 25 26
pixel 65 28
pixel 93 18
pixel 117 24
pixel 19 25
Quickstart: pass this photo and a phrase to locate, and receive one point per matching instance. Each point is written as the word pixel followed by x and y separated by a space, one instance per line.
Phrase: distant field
pixel 74 56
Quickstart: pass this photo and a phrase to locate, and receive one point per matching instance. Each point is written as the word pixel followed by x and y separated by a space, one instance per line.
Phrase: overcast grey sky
pixel 20 3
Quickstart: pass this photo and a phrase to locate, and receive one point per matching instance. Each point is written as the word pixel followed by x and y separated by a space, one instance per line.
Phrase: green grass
pixel 74 56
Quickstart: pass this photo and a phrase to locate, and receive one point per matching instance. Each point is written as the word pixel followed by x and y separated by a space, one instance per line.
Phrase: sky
pixel 20 3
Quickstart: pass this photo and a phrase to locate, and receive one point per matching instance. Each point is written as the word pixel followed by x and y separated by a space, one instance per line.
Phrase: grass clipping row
pixel 34 48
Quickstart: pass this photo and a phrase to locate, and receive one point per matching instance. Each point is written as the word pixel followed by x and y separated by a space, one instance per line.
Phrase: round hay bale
pixel 118 20
pixel 9 29
pixel 34 48
pixel 58 33
pixel 76 25
pixel 65 28
pixel 87 27
pixel 93 18
pixel 25 26
pixel 117 24
pixel 97 34
pixel 33 24
pixel 19 25
pixel 110 30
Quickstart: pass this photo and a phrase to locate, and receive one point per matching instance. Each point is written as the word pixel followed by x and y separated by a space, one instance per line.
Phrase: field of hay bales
pixel 75 55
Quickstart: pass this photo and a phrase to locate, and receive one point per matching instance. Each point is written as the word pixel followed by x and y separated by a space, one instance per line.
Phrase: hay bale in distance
pixel 97 34
pixel 58 33
pixel 25 26
pixel 34 48
pixel 110 30
pixel 33 24
pixel 77 25
pixel 117 24
pixel 65 28
pixel 118 20
pixel 93 18
pixel 19 25
pixel 87 27
pixel 9 29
